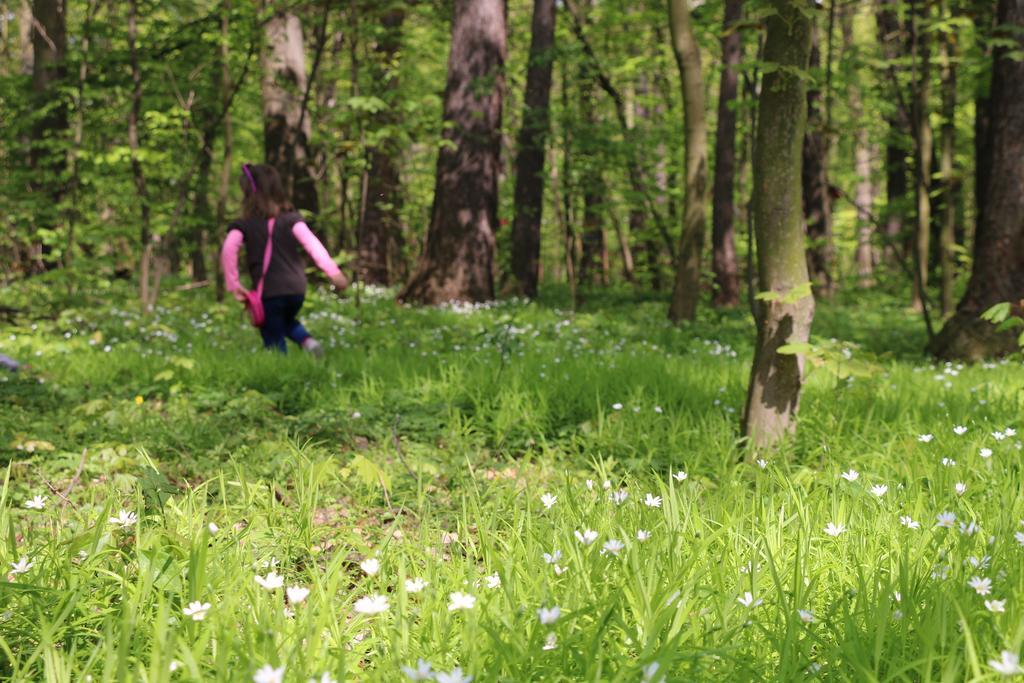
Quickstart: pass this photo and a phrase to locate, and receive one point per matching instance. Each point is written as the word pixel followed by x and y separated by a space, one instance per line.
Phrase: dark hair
pixel 263 194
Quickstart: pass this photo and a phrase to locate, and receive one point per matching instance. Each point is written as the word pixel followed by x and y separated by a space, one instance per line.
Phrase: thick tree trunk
pixel 686 293
pixel 776 379
pixel 997 273
pixel 380 222
pixel 286 127
pixel 817 201
pixel 529 192
pixel 723 212
pixel 923 150
pixel 458 257
pixel 49 71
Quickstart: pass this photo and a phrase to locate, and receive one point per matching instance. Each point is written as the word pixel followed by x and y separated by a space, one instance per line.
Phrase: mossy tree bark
pixel 723 211
pixel 458 256
pixel 686 293
pixel 997 274
pixel 776 379
pixel 529 192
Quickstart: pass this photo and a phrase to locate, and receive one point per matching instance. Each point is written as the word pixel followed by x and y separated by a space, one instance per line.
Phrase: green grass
pixel 427 438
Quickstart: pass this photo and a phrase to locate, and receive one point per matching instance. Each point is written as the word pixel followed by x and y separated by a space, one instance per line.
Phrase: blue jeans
pixel 280 321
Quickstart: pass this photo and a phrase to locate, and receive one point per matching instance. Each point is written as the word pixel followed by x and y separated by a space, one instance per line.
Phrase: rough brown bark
pixel 686 292
pixel 458 257
pixel 817 203
pixel 380 224
pixel 997 273
pixel 286 128
pixel 723 212
pixel 776 379
pixel 529 192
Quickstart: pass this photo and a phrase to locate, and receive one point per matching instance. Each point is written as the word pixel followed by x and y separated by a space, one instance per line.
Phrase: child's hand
pixel 239 295
pixel 340 281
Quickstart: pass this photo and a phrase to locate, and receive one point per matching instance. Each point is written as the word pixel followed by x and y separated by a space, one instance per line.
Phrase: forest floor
pixel 518 491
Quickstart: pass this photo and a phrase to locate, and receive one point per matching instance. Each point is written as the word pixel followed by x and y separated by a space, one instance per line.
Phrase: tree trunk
pixel 147 288
pixel 49 71
pixel 923 149
pixel 686 293
pixel 286 126
pixel 592 236
pixel 458 257
pixel 723 212
pixel 891 37
pixel 984 17
pixel 864 197
pixel 947 240
pixel 775 379
pixel 25 33
pixel 225 169
pixel 817 203
pixel 380 220
pixel 997 273
pixel 529 192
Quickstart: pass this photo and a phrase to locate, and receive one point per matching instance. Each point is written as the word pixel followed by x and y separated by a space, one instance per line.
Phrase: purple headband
pixel 248 174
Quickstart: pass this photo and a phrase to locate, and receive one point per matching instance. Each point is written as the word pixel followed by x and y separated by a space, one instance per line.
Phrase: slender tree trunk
pixel 923 149
pixel 75 183
pixel 997 273
pixel 947 241
pixel 25 32
pixel 686 293
pixel 201 203
pixel 458 257
pixel 380 218
pixel 817 202
pixel 864 197
pixel 286 127
pixel 49 72
pixel 776 379
pixel 892 38
pixel 529 192
pixel 592 236
pixel 625 252
pixel 225 169
pixel 147 268
pixel 723 214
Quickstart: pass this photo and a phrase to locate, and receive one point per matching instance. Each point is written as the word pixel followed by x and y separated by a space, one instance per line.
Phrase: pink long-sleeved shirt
pixel 233 244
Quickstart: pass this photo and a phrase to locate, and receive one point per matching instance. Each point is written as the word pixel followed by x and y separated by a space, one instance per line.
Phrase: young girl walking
pixel 275 265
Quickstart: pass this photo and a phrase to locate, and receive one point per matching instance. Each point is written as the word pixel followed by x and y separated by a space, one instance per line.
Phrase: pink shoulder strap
pixel 267 253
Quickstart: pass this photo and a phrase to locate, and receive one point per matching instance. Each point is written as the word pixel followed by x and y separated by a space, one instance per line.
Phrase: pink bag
pixel 254 299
